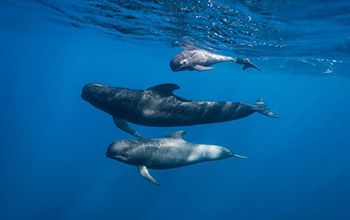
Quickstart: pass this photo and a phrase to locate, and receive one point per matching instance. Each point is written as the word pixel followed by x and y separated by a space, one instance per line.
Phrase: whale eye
pixel 183 62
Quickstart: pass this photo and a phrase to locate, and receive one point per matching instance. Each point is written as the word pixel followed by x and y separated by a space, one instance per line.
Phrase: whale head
pixel 122 151
pixel 180 62
pixel 98 95
pixel 93 91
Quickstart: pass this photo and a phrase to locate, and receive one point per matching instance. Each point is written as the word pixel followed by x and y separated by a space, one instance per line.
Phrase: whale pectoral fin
pixel 123 124
pixel 143 171
pixel 202 68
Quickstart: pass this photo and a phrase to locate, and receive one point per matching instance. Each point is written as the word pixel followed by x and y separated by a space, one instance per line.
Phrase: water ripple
pixel 254 28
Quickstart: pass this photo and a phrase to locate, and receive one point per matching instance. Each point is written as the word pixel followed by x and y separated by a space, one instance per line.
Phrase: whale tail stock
pixel 260 107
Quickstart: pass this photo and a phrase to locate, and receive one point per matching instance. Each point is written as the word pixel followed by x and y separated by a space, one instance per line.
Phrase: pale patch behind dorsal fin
pixel 176 135
pixel 167 88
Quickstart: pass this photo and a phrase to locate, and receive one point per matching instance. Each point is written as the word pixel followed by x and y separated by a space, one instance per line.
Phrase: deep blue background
pixel 53 144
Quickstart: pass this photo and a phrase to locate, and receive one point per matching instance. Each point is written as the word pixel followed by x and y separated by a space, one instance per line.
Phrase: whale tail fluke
pixel 245 62
pixel 260 107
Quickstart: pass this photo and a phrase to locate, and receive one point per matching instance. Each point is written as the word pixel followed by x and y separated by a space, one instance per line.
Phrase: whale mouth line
pixel 177 68
pixel 83 96
pixel 109 155
pixel 112 156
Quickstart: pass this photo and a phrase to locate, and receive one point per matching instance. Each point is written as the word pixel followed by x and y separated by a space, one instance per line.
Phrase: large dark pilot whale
pixel 201 60
pixel 158 106
pixel 164 153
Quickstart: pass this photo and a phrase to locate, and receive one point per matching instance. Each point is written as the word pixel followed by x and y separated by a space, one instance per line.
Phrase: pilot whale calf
pixel 164 153
pixel 158 106
pixel 201 60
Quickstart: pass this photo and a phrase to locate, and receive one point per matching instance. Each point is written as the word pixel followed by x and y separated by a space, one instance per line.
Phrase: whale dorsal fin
pixel 176 135
pixel 167 88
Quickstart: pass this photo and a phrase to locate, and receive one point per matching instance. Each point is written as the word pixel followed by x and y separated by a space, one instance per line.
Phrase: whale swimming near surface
pixel 168 152
pixel 158 106
pixel 201 60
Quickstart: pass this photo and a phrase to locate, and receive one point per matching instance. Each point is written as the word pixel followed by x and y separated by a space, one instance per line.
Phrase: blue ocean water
pixel 53 163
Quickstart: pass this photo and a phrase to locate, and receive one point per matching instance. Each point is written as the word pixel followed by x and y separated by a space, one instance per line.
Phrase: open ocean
pixel 53 143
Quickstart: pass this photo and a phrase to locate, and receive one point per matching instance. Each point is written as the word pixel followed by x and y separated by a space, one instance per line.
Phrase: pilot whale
pixel 158 106
pixel 164 153
pixel 201 60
